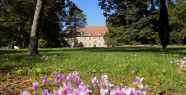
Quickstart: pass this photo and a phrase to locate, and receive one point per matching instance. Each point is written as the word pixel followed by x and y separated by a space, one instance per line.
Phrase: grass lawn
pixel 122 65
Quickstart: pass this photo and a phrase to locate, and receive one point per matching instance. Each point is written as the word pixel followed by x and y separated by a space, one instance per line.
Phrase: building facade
pixel 89 36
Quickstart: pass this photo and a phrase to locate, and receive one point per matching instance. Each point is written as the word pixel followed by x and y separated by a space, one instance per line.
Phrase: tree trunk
pixel 33 46
pixel 164 28
pixel 0 43
pixel 74 37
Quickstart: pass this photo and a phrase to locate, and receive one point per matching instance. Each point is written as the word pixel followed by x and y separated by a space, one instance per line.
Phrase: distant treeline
pixel 138 21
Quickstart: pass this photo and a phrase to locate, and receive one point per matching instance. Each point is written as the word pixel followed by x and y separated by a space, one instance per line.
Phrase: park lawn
pixel 121 64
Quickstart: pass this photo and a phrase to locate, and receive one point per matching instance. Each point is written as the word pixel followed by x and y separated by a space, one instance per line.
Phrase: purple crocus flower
pixel 137 80
pixel 75 73
pixel 6 59
pixel 46 58
pixel 178 63
pixel 103 91
pixel 103 77
pixel 57 77
pixel 110 85
pixel 185 58
pixel 140 92
pixel 181 66
pixel 175 61
pixel 55 92
pixel 83 89
pixel 55 74
pixel 35 85
pixel 44 92
pixel 130 91
pixel 104 84
pixel 65 77
pixel 95 83
pixel 25 93
pixel 66 87
pixel 74 76
pixel 45 80
pixel 171 62
pixel 140 87
pixel 181 61
pixel 116 91
pixel 146 87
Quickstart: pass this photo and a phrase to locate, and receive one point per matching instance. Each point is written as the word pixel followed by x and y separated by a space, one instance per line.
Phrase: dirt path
pixel 10 84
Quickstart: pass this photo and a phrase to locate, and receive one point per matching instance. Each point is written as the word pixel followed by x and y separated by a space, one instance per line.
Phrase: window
pixel 100 33
pixel 80 38
pixel 90 34
pixel 85 44
pixel 99 44
pixel 89 38
pixel 99 38
pixel 81 33
pixel 85 38
pixel 89 44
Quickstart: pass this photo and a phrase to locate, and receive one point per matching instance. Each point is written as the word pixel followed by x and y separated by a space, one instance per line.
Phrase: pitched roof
pixel 94 30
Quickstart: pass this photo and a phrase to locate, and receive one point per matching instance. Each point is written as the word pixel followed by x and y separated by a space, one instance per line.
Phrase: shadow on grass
pixel 17 59
pixel 174 50
pixel 65 51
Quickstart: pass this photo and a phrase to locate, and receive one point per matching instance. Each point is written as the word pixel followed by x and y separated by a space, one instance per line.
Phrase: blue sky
pixel 92 11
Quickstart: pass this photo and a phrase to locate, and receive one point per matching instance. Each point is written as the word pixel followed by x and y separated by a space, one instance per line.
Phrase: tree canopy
pixel 138 21
pixel 17 17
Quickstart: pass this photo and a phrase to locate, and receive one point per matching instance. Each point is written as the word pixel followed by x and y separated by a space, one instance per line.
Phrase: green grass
pixel 151 63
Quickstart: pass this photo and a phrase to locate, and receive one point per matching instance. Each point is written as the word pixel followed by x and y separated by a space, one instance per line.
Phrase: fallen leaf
pixel 25 81
pixel 179 72
pixel 30 89
pixel 184 86
pixel 121 84
pixel 169 80
pixel 135 71
pixel 152 93
pixel 163 93
pixel 118 69
pixel 127 76
pixel 155 84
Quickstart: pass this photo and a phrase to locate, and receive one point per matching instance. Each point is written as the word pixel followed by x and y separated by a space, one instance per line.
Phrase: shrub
pixel 42 43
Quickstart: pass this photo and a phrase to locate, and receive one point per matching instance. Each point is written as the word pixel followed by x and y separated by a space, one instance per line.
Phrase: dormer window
pixel 81 33
pixel 100 34
pixel 90 34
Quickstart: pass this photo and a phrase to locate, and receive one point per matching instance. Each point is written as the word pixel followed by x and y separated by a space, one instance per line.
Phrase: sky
pixel 93 12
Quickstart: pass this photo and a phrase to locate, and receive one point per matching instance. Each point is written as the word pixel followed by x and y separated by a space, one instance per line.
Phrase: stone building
pixel 89 36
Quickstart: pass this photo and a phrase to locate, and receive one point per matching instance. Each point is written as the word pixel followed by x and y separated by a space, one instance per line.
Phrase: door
pixel 94 45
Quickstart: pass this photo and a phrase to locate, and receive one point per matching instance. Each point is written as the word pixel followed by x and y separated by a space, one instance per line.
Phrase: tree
pixel 177 20
pixel 53 6
pixel 17 17
pixel 33 47
pixel 15 21
pixel 134 21
pixel 164 28
pixel 75 19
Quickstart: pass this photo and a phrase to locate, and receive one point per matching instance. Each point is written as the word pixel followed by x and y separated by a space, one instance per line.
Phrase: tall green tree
pixel 56 6
pixel 132 21
pixel 164 28
pixel 15 21
pixel 177 20
pixel 74 20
